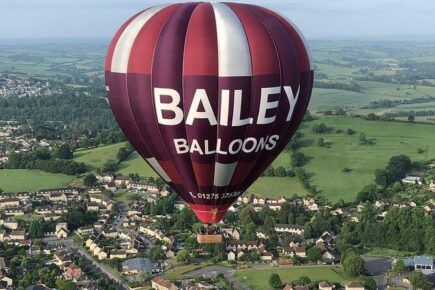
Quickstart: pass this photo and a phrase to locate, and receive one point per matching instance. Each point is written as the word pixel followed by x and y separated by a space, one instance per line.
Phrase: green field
pixel 16 180
pixel 96 157
pixel 258 279
pixel 326 164
pixel 392 138
pixel 136 164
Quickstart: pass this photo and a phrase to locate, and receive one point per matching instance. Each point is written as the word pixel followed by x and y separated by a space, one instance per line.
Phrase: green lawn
pixel 96 157
pixel 136 164
pixel 392 138
pixel 16 180
pixel 277 186
pixel 258 279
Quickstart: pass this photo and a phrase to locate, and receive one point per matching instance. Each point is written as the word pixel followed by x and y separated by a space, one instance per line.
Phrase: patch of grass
pixel 124 197
pixel 383 252
pixel 392 138
pixel 135 164
pixel 177 273
pixel 277 186
pixel 96 157
pixel 16 180
pixel 258 279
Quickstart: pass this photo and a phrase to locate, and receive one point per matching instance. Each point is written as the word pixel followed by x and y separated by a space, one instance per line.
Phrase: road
pixel 214 270
pixel 73 248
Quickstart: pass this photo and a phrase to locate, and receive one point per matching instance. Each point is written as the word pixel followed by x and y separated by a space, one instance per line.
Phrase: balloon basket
pixel 209 238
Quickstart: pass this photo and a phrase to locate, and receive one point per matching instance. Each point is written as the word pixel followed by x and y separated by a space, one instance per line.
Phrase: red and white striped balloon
pixel 209 94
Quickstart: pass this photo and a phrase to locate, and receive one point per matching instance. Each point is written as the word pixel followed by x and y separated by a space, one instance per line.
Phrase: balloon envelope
pixel 209 94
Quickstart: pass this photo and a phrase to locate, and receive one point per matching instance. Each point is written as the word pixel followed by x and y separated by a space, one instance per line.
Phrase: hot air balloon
pixel 208 94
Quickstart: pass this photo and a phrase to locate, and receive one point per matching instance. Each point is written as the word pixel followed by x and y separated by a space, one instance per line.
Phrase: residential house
pixel 300 252
pixel 235 245
pixel 17 235
pixel 232 232
pixel 326 286
pixel 85 230
pixel 235 255
pixel 118 254
pixel 105 177
pixel 122 180
pixel 432 185
pixel 62 230
pixel 354 286
pixel 288 228
pixel 160 283
pixel 9 202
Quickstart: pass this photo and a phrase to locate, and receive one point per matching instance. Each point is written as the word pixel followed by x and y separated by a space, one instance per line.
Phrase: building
pixel 122 180
pixel 105 177
pixel 9 202
pixel 233 233
pixel 288 228
pixel 354 286
pixel 159 283
pixel 325 286
pixel 432 186
pixel 136 266
pixel 425 264
pixel 412 180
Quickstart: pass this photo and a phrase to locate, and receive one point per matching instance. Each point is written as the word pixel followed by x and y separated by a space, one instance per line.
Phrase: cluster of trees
pixel 394 103
pixel 162 206
pixel 387 180
pixel 56 161
pixel 122 155
pixel 396 169
pixel 79 216
pixel 83 114
pixel 404 229
pixel 321 128
pixel 363 140
pixel 352 86
pixel 38 268
pixel 279 171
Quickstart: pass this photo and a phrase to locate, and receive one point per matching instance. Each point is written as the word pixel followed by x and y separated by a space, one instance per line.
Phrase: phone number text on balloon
pixel 215 196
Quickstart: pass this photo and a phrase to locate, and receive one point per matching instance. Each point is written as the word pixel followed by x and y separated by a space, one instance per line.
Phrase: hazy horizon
pixel 317 19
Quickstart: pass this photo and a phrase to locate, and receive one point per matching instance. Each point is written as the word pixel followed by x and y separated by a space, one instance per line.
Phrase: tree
pixel 63 152
pixel 110 166
pixel 418 281
pixel 304 280
pixel 370 283
pixel 183 256
pixel 280 171
pixel 156 253
pixel 399 268
pixel 353 264
pixel 298 159
pixel 36 229
pixel 321 142
pixel 275 281
pixel 63 284
pixel 362 139
pixel 90 180
pixel 314 254
pixel 411 118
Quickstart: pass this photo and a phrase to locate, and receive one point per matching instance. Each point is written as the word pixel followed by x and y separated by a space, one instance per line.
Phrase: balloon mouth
pixel 209 214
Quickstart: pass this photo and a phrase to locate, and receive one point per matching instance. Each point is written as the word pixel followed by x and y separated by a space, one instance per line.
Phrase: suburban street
pixel 74 249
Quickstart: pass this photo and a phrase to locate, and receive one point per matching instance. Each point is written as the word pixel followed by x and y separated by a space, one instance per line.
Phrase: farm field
pixel 96 157
pixel 326 164
pixel 16 180
pixel 258 279
pixel 392 138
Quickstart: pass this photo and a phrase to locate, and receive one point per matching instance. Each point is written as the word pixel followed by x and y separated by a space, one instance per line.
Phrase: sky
pixel 317 19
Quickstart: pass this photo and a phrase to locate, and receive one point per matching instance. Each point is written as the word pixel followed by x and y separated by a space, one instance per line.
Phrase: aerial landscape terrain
pixel 349 203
